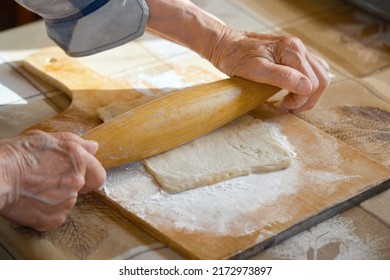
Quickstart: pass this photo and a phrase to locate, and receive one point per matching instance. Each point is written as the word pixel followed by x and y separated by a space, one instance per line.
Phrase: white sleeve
pixel 85 27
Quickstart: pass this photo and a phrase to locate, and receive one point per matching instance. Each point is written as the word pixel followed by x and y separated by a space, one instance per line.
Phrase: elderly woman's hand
pixel 277 60
pixel 281 61
pixel 41 175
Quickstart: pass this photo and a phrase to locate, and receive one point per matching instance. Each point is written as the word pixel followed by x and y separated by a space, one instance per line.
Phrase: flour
pixel 337 232
pixel 218 208
pixel 282 139
pixel 169 79
pixel 230 208
pixel 163 82
pixel 331 177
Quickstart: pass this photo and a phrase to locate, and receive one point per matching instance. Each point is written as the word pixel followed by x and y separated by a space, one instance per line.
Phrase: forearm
pixel 184 23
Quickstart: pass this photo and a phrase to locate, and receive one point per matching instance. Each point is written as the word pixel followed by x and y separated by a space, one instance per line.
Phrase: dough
pixel 239 148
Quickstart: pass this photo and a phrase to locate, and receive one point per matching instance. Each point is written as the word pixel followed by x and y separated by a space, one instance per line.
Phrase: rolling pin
pixel 152 128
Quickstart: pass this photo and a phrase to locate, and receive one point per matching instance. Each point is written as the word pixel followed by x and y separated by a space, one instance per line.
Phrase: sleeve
pixel 85 27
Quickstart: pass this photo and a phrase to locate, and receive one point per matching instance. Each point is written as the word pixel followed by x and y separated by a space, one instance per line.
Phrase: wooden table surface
pixel 355 109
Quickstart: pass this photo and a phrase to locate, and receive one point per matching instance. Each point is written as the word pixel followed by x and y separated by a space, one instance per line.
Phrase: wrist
pixel 186 24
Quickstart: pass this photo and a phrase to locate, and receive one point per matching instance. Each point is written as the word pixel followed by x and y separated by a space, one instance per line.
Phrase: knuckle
pixel 64 135
pixel 73 181
pixel 72 146
pixel 79 182
pixel 292 42
pixel 292 52
pixel 76 155
pixel 292 58
pixel 80 152
pixel 71 136
pixel 36 132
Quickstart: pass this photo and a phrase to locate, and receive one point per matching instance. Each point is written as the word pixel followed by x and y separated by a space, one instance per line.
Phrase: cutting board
pixel 243 216
pixel 240 217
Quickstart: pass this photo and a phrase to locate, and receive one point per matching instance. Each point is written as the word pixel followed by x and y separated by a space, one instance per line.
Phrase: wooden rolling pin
pixel 149 129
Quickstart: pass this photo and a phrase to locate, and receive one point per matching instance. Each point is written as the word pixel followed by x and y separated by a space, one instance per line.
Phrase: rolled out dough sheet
pixel 239 148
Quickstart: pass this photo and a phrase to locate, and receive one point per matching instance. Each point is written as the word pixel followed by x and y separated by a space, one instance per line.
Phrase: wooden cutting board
pixel 240 217
pixel 243 216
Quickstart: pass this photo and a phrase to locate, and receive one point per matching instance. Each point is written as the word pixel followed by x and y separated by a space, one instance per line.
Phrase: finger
pixel 40 216
pixel 297 58
pixel 67 188
pixel 293 101
pixel 54 190
pixel 281 76
pixel 66 136
pixel 291 52
pixel 47 218
pixel 90 146
pixel 321 60
pixel 323 77
pixel 95 174
pixel 86 165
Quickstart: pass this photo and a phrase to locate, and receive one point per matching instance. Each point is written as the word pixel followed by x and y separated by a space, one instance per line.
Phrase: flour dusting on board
pixel 282 140
pixel 217 208
pixel 163 82
pixel 228 208
pixel 337 233
pixel 169 79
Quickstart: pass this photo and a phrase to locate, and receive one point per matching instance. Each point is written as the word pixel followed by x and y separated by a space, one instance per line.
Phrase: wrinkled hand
pixel 277 60
pixel 41 175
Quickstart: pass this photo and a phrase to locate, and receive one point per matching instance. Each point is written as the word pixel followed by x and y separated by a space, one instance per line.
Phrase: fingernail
pixel 304 86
